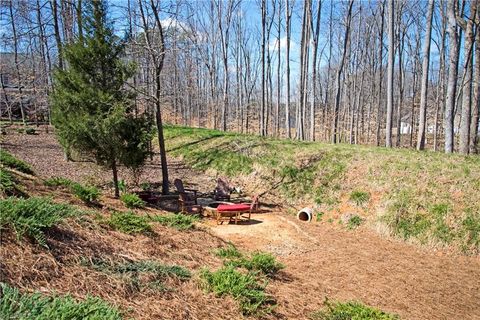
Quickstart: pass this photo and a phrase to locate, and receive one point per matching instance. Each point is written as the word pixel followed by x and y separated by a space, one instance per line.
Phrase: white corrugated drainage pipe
pixel 306 214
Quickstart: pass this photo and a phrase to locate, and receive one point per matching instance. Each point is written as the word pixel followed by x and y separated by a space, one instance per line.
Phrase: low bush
pixel 144 274
pixel 31 217
pixel 88 194
pixel 30 131
pixel 130 223
pixel 229 252
pixel 354 222
pixel 258 261
pixel 7 183
pixel 10 161
pixel 263 262
pixel 132 200
pixel 351 310
pixel 242 287
pixel 58 182
pixel 178 221
pixel 359 197
pixel 15 305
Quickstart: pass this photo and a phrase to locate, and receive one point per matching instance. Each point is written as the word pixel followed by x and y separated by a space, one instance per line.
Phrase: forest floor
pixel 322 259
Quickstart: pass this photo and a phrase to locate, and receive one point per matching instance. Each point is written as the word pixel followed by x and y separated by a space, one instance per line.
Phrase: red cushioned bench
pixel 236 210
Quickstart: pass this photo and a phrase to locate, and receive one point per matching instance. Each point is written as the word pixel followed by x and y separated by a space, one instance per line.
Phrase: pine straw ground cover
pixel 85 259
pixel 150 276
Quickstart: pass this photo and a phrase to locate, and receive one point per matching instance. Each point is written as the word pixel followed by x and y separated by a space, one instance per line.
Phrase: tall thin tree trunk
pixel 452 77
pixel 464 145
pixel 391 61
pixel 422 121
pixel 336 109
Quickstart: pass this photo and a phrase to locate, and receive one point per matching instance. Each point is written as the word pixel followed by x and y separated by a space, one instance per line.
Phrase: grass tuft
pixel 8 160
pixel 129 222
pixel 15 305
pixel 177 221
pixel 132 200
pixel 359 197
pixel 242 287
pixel 229 252
pixel 88 194
pixel 143 274
pixel 58 182
pixel 31 217
pixel 354 222
pixel 351 310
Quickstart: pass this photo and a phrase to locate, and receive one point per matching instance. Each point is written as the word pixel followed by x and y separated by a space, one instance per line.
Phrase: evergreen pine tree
pixel 91 108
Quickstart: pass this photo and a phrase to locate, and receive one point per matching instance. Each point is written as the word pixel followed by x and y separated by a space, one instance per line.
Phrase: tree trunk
pixel 115 179
pixel 425 67
pixel 391 61
pixel 287 58
pixel 339 75
pixel 467 83
pixel 452 77
pixel 474 138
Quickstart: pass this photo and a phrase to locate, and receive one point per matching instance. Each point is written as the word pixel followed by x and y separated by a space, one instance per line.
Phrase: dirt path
pixel 326 261
pixel 322 259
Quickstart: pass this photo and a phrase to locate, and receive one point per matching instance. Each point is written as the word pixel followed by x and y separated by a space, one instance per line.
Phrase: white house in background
pixel 405 128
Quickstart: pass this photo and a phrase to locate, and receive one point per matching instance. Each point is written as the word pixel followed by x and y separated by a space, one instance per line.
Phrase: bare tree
pixel 391 58
pixel 339 73
pixel 424 91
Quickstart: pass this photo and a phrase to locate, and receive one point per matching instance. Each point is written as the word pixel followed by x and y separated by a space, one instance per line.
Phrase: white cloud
pixel 273 45
pixel 174 23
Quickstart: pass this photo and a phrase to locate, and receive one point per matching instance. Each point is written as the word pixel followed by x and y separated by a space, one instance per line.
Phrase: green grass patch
pixel 140 274
pixel 132 200
pixel 88 194
pixel 359 197
pixel 177 221
pixel 31 217
pixel 350 310
pixel 8 160
pixel 245 288
pixel 354 222
pixel 15 305
pixel 7 183
pixel 58 182
pixel 229 252
pixel 129 222
pixel 258 261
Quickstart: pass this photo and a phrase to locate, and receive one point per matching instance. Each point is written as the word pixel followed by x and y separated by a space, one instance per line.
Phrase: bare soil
pixel 322 259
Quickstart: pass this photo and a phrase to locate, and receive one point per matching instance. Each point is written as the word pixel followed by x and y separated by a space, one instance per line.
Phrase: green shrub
pixel 359 197
pixel 242 287
pixel 351 310
pixel 258 261
pixel 264 262
pixel 58 182
pixel 144 273
pixel 122 186
pixel 229 252
pixel 354 222
pixel 178 221
pixel 132 200
pixel 7 183
pixel 14 305
pixel 30 131
pixel 32 216
pixel 10 161
pixel 130 223
pixel 87 194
